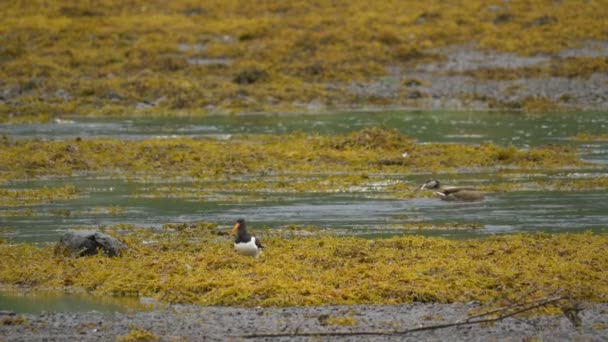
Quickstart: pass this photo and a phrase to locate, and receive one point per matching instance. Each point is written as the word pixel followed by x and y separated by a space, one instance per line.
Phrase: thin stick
pixel 540 303
pixel 510 307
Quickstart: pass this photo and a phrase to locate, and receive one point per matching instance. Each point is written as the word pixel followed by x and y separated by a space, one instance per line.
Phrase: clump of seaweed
pixel 22 197
pixel 373 138
pixel 576 184
pixel 346 320
pixel 370 151
pixel 138 334
pixel 14 320
pixel 372 161
pixel 439 226
pixel 590 137
pixel 179 267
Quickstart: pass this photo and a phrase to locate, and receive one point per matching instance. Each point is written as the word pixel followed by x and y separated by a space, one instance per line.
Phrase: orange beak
pixel 236 227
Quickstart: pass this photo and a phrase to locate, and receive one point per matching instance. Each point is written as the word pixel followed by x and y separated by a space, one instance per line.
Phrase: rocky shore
pixel 343 323
pixel 145 59
pixel 463 78
pixel 454 83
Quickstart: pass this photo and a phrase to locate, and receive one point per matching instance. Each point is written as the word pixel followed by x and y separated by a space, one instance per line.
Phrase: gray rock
pixel 144 105
pixel 89 242
pixel 63 94
pixel 210 61
pixel 114 96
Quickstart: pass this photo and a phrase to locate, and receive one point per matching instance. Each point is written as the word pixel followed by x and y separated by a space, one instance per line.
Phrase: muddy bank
pixel 192 323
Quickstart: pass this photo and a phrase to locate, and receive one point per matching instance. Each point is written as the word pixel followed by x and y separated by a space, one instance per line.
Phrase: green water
pixel 351 213
pixel 502 128
pixel 40 302
pixel 474 127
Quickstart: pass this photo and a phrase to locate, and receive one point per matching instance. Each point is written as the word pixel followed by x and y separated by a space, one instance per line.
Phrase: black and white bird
pixel 244 243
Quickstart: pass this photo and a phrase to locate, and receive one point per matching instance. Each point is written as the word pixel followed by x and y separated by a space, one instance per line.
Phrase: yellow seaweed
pixel 198 266
pixel 117 57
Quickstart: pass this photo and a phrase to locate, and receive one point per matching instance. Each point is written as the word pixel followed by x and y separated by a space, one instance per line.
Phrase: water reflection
pixel 38 302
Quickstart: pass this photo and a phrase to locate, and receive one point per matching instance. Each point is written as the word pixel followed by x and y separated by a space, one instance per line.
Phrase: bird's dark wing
pixel 258 243
pixel 450 190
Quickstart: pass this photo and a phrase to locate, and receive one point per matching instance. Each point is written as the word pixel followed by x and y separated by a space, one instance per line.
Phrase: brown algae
pixel 367 152
pixel 196 265
pixel 590 137
pixel 260 167
pixel 226 56
pixel 24 197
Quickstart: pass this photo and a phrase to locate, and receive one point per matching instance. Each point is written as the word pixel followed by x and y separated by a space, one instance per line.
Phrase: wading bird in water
pixel 452 193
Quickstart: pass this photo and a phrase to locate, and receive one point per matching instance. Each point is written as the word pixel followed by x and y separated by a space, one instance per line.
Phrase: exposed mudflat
pixel 194 323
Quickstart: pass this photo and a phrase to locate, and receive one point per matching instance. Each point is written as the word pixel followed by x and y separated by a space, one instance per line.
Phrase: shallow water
pixel 516 129
pixel 110 202
pixel 502 128
pixel 42 301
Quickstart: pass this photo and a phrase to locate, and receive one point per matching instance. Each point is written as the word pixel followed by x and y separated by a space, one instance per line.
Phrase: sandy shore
pixel 194 323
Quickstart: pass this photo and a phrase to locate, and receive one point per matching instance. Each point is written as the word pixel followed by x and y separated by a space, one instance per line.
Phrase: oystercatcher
pixel 244 243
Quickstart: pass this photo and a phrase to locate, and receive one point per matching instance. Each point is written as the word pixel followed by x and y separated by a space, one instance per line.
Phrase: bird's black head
pixel 239 226
pixel 241 231
pixel 430 184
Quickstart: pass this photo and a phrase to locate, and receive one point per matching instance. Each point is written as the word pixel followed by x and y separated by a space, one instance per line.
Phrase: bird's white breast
pixel 247 248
